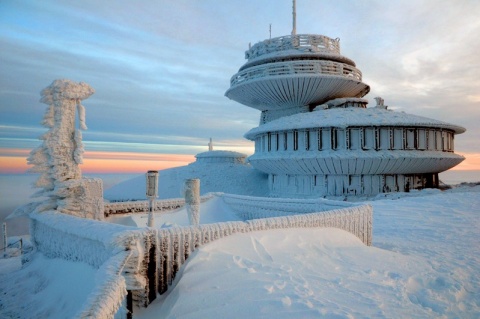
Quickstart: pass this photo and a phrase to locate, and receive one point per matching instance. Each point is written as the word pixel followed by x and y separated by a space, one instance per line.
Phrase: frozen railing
pixel 123 253
pixel 304 42
pixel 142 206
pixel 108 298
pixel 296 68
pixel 176 244
pixel 249 207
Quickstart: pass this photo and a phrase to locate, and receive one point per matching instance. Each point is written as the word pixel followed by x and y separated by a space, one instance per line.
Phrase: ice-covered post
pixel 152 194
pixel 192 200
pixel 4 229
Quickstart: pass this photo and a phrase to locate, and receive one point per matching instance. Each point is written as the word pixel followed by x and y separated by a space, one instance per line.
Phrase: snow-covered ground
pixel 424 263
pixel 231 178
pixel 44 288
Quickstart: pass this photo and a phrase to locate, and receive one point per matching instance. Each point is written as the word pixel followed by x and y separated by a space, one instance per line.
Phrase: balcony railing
pixel 318 67
pixel 303 42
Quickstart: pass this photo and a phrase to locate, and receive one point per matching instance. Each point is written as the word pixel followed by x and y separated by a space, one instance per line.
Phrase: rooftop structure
pixel 292 74
pixel 317 138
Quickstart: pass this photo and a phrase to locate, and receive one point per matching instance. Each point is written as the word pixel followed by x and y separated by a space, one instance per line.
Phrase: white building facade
pixel 317 138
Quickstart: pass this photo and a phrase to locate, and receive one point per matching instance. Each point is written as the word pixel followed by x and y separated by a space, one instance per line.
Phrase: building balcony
pixel 295 83
pixel 313 43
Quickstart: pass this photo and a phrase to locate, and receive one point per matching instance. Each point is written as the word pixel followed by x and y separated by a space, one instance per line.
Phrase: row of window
pixel 339 185
pixel 353 138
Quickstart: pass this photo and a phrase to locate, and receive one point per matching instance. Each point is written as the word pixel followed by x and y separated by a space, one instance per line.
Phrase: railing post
pixel 4 239
pixel 192 200
pixel 152 194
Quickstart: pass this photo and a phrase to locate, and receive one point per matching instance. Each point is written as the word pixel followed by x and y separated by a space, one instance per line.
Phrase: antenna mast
pixel 294 14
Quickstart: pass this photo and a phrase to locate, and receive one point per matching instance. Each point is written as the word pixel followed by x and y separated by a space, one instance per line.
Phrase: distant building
pixel 317 137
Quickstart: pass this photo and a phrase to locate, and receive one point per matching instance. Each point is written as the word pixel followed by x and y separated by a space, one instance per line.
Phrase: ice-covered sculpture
pixel 58 158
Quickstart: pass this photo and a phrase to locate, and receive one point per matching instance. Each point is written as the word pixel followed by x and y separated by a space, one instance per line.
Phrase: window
pixel 354 138
pixel 421 139
pixel 438 140
pixel 319 139
pixel 384 138
pixel 277 142
pixel 333 137
pixel 285 143
pixel 398 139
pixel 369 141
pixel 269 141
pixel 431 140
pixel 411 139
pixel 295 140
pixel 307 140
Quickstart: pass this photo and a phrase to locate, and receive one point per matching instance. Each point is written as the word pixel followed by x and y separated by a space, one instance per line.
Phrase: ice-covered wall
pixel 123 254
pixel 58 158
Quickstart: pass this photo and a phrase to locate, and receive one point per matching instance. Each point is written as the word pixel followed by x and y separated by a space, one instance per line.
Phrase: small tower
pixel 210 145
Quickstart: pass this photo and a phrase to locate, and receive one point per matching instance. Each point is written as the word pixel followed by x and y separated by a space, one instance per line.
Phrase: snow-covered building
pixel 316 135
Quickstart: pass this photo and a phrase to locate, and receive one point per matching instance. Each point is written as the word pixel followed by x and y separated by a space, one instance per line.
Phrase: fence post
pixel 5 240
pixel 192 200
pixel 152 194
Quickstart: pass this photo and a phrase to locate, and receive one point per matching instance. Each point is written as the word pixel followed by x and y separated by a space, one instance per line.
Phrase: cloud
pixel 160 69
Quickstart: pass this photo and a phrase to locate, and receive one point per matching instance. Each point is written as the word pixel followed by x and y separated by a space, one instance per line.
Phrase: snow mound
pixel 55 288
pixel 326 273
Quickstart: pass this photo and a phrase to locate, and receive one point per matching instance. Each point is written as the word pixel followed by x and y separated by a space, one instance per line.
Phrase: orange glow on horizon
pixel 471 162
pixel 13 161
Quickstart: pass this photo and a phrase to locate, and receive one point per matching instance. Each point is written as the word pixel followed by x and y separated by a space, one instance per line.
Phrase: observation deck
pixel 290 71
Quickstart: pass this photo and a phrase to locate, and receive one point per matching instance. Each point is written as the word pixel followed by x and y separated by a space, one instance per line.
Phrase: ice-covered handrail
pixel 142 206
pixel 107 298
pixel 248 207
pixel 314 43
pixel 298 68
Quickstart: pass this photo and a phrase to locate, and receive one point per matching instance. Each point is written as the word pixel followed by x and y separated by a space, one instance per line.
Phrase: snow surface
pixel 424 263
pixel 233 178
pixel 44 288
pixel 212 211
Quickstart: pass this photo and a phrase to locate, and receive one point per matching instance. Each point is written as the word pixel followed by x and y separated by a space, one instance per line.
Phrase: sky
pixel 160 69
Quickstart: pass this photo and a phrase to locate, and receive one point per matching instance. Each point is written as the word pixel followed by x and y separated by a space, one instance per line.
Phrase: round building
pixel 317 137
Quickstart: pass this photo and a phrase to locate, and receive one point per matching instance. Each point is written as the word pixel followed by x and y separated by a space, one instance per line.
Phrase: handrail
pixel 298 68
pixel 304 42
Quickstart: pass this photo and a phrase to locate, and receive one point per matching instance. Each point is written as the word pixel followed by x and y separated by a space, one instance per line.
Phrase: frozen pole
pixel 4 239
pixel 152 194
pixel 294 16
pixel 192 200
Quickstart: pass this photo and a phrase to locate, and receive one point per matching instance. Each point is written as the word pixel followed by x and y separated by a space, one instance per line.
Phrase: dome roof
pixel 225 154
pixel 346 117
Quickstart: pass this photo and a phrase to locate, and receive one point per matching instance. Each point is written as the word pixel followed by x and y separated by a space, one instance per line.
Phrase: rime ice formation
pixel 58 158
pixel 317 137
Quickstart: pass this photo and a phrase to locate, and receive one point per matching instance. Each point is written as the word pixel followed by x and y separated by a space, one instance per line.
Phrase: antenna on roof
pixel 294 14
pixel 270 31
pixel 210 145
